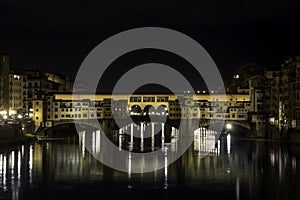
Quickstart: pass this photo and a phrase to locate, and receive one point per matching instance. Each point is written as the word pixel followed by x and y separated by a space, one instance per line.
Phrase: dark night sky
pixel 57 35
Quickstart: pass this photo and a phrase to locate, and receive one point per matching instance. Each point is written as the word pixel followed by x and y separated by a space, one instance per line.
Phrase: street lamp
pixel 228 126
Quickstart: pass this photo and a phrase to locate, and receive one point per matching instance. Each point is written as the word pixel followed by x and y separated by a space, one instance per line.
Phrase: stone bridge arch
pixel 239 123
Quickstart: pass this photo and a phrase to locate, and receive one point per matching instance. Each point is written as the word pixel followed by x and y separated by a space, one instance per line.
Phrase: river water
pixel 236 168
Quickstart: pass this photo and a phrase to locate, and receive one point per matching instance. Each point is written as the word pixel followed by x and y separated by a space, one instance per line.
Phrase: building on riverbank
pixel 4 84
pixel 18 89
pixel 282 95
pixel 274 95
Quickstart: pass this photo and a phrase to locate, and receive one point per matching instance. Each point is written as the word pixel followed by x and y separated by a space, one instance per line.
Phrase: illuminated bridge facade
pixel 64 107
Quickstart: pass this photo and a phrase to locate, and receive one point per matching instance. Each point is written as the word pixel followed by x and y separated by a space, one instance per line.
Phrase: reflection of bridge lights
pixel 228 126
pixel 228 143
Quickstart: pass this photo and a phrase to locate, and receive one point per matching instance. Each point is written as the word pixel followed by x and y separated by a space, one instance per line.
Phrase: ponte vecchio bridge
pixel 60 108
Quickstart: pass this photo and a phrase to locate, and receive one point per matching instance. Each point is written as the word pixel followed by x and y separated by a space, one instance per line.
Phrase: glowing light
pixel 228 126
pixel 19 116
pixel 12 112
pixel 16 77
pixel 3 112
pixel 236 76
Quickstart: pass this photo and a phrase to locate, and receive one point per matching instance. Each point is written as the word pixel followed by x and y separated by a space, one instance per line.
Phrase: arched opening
pixel 135 110
pixel 162 110
pixel 149 110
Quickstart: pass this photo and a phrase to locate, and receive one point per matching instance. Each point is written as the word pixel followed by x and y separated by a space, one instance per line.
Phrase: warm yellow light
pixel 12 112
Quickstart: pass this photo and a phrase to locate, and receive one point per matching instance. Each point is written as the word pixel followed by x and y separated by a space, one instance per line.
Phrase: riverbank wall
pixel 274 133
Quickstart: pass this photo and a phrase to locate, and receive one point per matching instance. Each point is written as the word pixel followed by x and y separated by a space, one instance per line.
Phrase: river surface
pixel 236 168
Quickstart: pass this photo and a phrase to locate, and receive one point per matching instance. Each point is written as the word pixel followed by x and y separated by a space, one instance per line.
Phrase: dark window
pixel 135 99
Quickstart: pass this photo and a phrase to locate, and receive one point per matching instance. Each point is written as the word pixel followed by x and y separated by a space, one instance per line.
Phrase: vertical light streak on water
pixel 228 143
pixel 19 166
pixel 12 160
pixel 166 169
pixel 219 147
pixel 199 141
pixel 4 173
pixel 83 144
pixel 13 187
pixel 12 173
pixel 152 136
pixel 131 133
pixel 1 170
pixel 98 140
pixel 162 131
pixel 30 163
pixel 237 188
pixel 294 164
pixel 173 140
pixel 93 142
pixel 173 132
pixel 162 134
pixel 22 150
pixel 142 136
pixel 280 168
pixel 120 142
pixel 129 165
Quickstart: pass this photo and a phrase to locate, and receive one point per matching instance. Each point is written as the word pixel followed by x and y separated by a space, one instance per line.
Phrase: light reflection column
pixel 166 168
pixel 98 140
pixel 162 134
pixel 30 163
pixel 152 136
pixel 142 136
pixel 129 170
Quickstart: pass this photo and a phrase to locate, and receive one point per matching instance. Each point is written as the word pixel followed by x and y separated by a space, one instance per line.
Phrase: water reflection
pixel 234 168
pixel 205 142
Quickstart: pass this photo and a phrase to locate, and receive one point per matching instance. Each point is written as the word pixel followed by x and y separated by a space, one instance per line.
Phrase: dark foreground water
pixel 237 169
